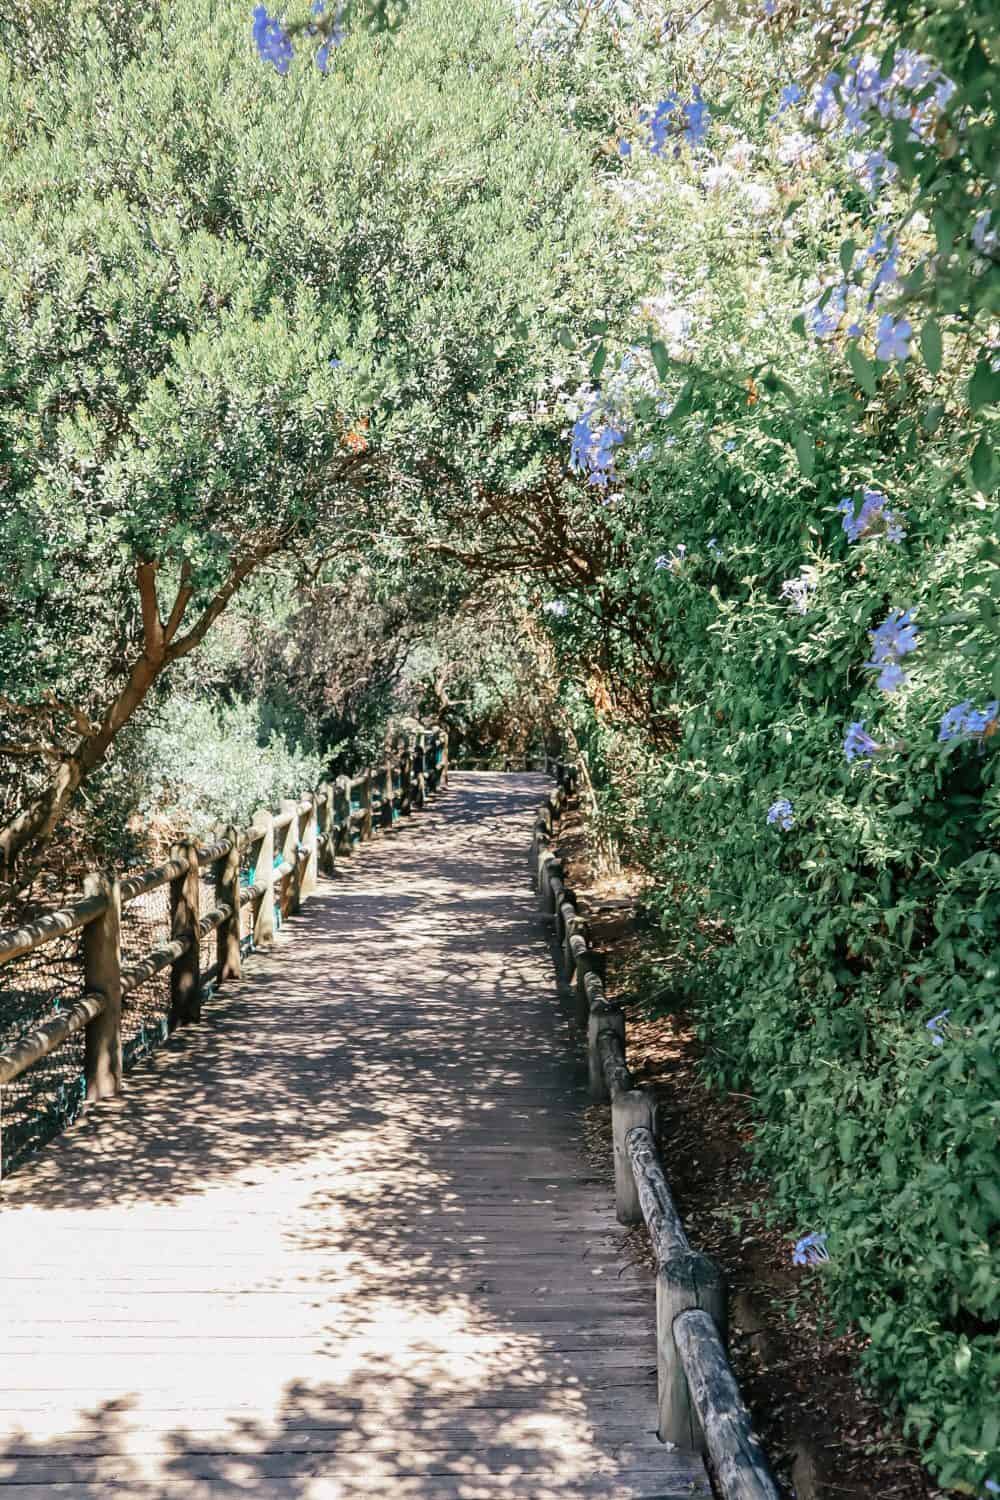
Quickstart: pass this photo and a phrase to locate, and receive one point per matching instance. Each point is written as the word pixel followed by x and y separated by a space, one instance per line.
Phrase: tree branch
pixel 181 603
pixel 152 627
pixel 212 611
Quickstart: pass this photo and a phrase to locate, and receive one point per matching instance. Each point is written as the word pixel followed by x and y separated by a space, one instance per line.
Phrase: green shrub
pixel 840 915
pixel 193 764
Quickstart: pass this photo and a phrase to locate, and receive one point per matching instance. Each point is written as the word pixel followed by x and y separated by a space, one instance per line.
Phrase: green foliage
pixel 717 665
pixel 245 315
pixel 192 765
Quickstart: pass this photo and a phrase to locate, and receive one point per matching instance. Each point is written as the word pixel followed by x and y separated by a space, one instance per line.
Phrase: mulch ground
pixel 825 1438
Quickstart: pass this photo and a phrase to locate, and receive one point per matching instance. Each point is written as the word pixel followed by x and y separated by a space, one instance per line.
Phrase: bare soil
pixel 825 1438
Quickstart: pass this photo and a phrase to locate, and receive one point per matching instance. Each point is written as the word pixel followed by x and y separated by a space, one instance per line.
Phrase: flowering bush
pixel 809 398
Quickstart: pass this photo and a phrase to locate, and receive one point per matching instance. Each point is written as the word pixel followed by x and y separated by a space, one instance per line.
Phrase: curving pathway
pixel 341 1239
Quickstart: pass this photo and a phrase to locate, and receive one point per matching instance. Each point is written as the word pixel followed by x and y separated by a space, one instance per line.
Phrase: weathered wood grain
pixel 663 1222
pixel 741 1468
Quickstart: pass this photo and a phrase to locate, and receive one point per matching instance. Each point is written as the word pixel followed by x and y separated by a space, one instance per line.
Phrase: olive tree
pixel 248 315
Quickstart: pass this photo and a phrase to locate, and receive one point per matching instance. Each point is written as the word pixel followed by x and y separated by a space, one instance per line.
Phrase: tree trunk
pixel 33 826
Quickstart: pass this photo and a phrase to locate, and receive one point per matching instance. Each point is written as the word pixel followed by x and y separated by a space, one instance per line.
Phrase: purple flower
pixel 659 123
pixel 858 745
pixel 824 317
pixel 790 94
pixel 690 122
pixel 874 169
pixel 893 338
pixel 273 43
pixel 624 148
pixel 592 448
pixel 780 812
pixel 963 719
pixel 671 560
pixel 557 607
pixel 874 516
pixel 895 637
pixel 824 102
pixel 891 677
pixel 810 1250
pixel 696 118
pixel 934 1027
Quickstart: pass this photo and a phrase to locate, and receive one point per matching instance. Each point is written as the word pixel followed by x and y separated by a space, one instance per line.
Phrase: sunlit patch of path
pixel 341 1238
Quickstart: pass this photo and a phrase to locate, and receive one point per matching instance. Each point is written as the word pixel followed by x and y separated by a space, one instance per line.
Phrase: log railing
pixel 251 876
pixel 699 1404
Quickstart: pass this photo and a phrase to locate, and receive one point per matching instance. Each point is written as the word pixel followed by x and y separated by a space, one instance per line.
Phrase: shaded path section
pixel 341 1238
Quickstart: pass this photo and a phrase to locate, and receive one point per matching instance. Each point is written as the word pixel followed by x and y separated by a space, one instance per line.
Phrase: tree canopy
pixel 243 314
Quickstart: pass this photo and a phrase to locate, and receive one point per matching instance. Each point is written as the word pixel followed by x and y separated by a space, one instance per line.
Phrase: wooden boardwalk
pixel 341 1239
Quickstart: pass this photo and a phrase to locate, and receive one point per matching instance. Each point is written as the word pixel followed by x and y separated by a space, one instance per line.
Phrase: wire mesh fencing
pixel 146 1009
pixel 38 1104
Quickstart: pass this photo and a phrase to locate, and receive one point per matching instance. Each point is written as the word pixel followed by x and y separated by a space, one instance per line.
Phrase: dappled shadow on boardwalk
pixel 340 1238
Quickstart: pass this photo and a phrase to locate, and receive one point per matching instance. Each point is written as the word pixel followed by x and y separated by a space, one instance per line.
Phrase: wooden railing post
pixel 290 853
pixel 434 769
pixel 310 840
pixel 324 828
pixel 227 889
pixel 263 919
pixel 602 1018
pixel 185 910
pixel 102 963
pixel 630 1108
pixel 687 1279
pixel 443 774
pixel 405 779
pixel 384 775
pixel 367 831
pixel 342 807
pixel 419 772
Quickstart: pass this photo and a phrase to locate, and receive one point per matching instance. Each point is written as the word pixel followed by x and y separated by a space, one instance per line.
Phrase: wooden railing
pixel 269 868
pixel 698 1400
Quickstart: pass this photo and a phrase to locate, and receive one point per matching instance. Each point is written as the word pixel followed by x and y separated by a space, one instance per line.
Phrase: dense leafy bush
pixel 787 675
pixel 208 765
pixel 189 766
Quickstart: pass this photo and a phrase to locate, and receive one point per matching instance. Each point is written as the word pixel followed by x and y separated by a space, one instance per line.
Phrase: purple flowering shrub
pixel 817 782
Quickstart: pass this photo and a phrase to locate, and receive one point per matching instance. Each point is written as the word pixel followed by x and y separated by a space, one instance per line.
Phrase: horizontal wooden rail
pixel 697 1397
pixel 17 941
pixel 666 1231
pixel 214 852
pixel 313 831
pixel 149 880
pixel 156 960
pixel 47 1036
pixel 739 1461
